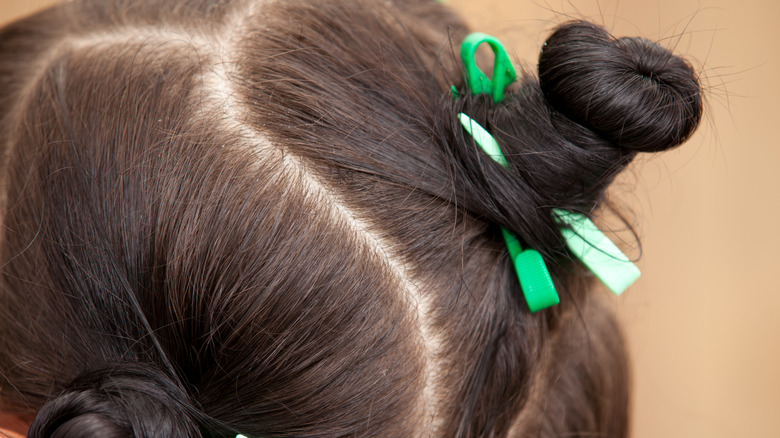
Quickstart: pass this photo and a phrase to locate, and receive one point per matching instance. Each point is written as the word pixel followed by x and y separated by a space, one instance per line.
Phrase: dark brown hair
pixel 264 217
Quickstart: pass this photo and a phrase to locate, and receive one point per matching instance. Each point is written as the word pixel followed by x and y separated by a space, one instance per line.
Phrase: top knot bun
pixel 630 91
pixel 127 400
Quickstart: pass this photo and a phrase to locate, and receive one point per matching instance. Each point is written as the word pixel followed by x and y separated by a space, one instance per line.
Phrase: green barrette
pixel 532 272
pixel 503 72
pixel 597 252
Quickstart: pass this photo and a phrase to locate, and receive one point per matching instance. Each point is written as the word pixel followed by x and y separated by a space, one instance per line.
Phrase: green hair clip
pixel 532 272
pixel 597 252
pixel 503 72
pixel 582 236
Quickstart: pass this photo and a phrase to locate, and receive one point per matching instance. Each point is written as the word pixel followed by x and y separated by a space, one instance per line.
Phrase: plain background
pixel 703 320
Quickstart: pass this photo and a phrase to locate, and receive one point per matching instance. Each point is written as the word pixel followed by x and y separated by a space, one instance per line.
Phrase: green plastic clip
pixel 503 72
pixel 535 281
pixel 483 138
pixel 597 252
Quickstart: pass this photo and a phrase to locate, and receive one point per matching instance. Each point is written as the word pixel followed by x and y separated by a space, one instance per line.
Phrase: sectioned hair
pixel 263 218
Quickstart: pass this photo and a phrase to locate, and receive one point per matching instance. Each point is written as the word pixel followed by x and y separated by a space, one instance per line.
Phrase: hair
pixel 265 218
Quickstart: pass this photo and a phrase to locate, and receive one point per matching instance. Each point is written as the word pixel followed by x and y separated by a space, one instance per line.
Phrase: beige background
pixel 703 320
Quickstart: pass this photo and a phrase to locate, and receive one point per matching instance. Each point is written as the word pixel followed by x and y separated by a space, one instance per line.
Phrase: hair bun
pixel 131 401
pixel 630 91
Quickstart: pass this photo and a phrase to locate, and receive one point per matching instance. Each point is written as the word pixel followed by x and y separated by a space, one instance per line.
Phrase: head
pixel 264 218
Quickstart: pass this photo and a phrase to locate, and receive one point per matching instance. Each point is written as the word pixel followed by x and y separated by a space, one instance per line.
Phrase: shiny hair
pixel 264 217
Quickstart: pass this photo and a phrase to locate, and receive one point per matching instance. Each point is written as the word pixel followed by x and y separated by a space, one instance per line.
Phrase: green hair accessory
pixel 532 272
pixel 483 138
pixel 597 252
pixel 503 72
